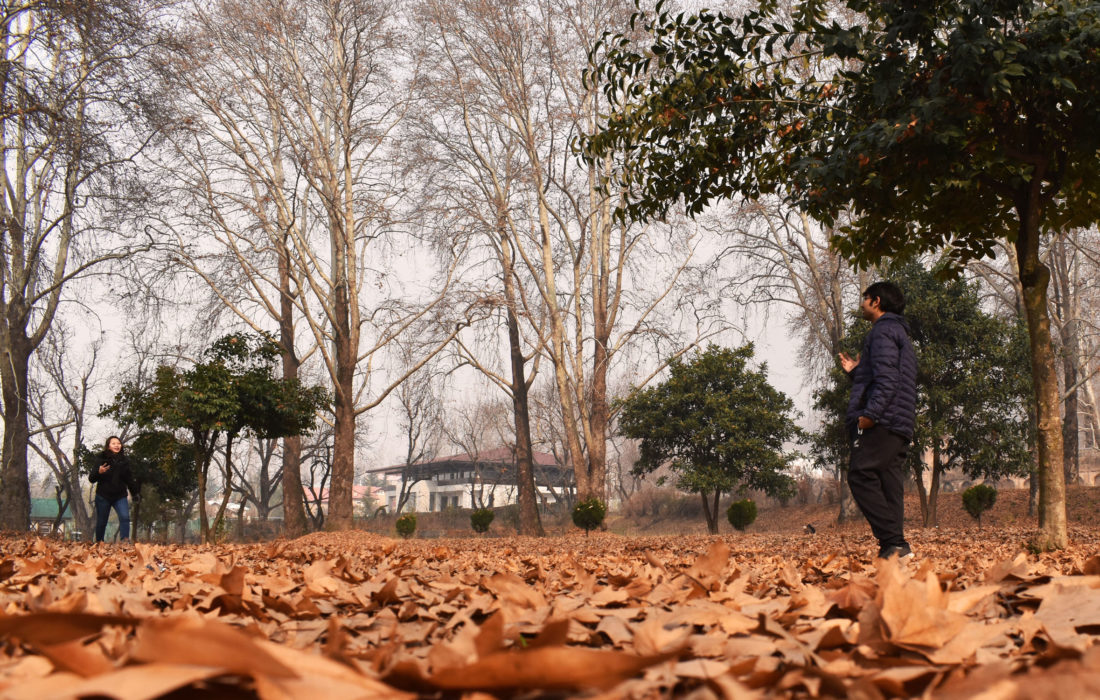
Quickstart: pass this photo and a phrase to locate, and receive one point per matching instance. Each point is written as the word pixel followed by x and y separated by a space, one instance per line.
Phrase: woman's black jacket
pixel 112 484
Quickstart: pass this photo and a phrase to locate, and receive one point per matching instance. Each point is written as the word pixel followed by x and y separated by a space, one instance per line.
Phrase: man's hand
pixel 848 362
pixel 865 423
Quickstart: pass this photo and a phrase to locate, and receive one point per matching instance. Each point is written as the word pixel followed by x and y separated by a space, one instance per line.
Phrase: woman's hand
pixel 103 468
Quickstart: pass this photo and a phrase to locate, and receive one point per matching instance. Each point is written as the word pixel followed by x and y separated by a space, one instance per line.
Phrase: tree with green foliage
pixel 911 127
pixel 165 468
pixel 978 499
pixel 406 525
pixel 972 386
pixel 234 389
pixel 481 519
pixel 741 514
pixel 717 423
pixel 589 514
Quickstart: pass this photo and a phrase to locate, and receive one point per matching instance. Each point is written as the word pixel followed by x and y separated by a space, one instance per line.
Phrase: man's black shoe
pixel 901 551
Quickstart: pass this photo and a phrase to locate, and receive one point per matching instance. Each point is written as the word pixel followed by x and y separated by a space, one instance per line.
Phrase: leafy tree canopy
pixel 935 125
pixel 717 423
pixel 234 388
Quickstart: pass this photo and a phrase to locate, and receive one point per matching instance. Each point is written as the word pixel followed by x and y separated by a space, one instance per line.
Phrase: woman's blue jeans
pixel 103 512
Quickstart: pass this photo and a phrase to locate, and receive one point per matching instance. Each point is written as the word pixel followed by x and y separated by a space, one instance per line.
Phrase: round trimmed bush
pixel 588 514
pixel 978 499
pixel 741 514
pixel 406 525
pixel 481 518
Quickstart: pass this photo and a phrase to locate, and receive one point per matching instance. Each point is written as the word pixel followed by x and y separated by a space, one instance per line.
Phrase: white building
pixel 486 479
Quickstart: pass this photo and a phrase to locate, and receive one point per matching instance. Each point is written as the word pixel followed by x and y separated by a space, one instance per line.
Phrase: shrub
pixel 588 514
pixel 741 514
pixel 978 499
pixel 481 518
pixel 406 525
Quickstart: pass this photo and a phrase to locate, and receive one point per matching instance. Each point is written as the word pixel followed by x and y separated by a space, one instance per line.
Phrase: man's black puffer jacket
pixel 885 381
pixel 113 483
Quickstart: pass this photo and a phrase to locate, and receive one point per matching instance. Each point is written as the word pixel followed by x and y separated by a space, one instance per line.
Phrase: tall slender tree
pixel 69 77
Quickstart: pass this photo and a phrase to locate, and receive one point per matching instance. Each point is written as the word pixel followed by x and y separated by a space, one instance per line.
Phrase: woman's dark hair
pixel 889 297
pixel 107 445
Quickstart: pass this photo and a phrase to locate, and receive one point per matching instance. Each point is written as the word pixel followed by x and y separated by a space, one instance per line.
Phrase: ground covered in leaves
pixel 354 615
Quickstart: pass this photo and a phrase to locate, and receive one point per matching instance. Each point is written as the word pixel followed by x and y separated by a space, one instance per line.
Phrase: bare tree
pixel 1074 261
pixel 260 488
pixel 477 427
pixel 68 81
pixel 317 458
pixel 421 416
pixel 590 287
pixel 289 150
pixel 57 406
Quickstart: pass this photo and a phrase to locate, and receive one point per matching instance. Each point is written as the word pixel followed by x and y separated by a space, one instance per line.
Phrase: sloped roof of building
pixel 500 455
pixel 42 508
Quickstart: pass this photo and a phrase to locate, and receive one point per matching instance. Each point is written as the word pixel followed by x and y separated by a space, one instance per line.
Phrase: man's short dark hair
pixel 889 296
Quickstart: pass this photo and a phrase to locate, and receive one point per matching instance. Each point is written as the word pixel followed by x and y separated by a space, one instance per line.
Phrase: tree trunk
pixel 1032 492
pixel 343 434
pixel 598 410
pixel 930 503
pixel 934 493
pixel 77 504
pixel 219 521
pixel 529 521
pixel 1034 279
pixel 711 513
pixel 204 523
pixel 1066 303
pixel 15 493
pixel 846 508
pixel 922 491
pixel 294 517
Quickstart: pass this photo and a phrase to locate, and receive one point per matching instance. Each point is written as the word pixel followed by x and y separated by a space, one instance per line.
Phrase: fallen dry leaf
pixel 358 615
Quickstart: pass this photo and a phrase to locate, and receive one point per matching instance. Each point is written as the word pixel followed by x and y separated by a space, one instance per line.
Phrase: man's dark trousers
pixel 876 476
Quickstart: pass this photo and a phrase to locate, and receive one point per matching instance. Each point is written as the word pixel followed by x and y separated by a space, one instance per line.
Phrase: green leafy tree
pixel 978 499
pixel 481 519
pixel 911 127
pixel 165 467
pixel 717 423
pixel 741 514
pixel 406 525
pixel 588 514
pixel 972 387
pixel 233 389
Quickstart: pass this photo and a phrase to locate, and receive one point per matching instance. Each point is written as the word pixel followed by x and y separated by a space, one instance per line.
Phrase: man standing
pixel 881 415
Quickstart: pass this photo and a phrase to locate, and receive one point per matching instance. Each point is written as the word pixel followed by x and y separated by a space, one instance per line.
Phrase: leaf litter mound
pixel 361 616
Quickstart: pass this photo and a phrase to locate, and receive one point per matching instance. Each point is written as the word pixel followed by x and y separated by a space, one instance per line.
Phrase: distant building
pixel 44 515
pixel 470 481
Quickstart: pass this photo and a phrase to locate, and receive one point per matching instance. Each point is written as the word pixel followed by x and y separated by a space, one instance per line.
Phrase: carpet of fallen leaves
pixel 354 615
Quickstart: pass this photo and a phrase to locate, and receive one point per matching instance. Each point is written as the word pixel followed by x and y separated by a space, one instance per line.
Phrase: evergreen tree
pixel 972 386
pixel 718 424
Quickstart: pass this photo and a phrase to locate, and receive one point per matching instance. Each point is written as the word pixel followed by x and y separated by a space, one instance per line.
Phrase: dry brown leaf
pixel 131 683
pixel 1068 609
pixel 197 642
pixel 916 615
pixel 550 668
pixel 46 628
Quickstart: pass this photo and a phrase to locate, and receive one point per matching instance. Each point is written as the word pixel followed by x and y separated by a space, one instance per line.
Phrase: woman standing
pixel 112 477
